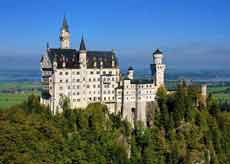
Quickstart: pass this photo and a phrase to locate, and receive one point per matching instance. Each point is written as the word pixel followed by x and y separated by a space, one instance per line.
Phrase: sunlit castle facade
pixel 85 76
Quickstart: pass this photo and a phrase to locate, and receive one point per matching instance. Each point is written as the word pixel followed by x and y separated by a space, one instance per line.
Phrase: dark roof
pixel 97 56
pixel 65 24
pixel 142 81
pixel 130 68
pixel 157 52
pixel 71 58
pixel 82 45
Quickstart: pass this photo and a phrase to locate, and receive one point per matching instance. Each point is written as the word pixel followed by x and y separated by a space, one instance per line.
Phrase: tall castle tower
pixel 159 68
pixel 64 35
pixel 82 53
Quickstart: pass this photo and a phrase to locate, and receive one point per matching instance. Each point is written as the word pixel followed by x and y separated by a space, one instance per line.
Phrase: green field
pixel 8 100
pixel 220 92
pixel 18 92
pixel 21 86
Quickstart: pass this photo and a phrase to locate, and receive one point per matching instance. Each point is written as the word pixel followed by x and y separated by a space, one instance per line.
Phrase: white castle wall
pixel 86 85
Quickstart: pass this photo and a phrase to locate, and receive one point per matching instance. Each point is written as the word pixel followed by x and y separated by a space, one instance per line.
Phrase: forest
pixel 182 128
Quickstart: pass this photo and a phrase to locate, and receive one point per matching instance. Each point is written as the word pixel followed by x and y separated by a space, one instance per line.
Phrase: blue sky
pixel 192 33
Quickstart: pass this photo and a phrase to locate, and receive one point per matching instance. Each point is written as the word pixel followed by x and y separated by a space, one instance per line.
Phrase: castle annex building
pixel 86 76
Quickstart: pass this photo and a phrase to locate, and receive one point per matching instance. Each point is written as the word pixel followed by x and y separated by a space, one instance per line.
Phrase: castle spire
pixel 82 45
pixel 64 34
pixel 65 24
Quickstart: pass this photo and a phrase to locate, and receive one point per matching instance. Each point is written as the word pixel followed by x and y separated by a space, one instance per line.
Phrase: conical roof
pixel 65 24
pixel 82 45
pixel 157 52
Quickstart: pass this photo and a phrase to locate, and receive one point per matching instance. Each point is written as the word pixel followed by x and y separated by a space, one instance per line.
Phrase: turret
pixel 55 62
pixel 130 73
pixel 204 90
pixel 113 58
pixel 64 35
pixel 63 62
pixel 82 53
pixel 101 63
pixel 159 68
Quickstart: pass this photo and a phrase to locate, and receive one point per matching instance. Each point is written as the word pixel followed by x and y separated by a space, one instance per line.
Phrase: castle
pixel 86 76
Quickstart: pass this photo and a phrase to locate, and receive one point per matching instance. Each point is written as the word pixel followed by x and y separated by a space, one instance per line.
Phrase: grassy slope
pixel 7 100
pixel 10 99
pixel 25 85
pixel 218 92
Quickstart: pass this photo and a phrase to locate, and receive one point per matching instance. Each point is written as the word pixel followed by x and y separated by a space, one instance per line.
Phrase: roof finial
pixel 157 51
pixel 82 45
pixel 47 45
pixel 65 24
